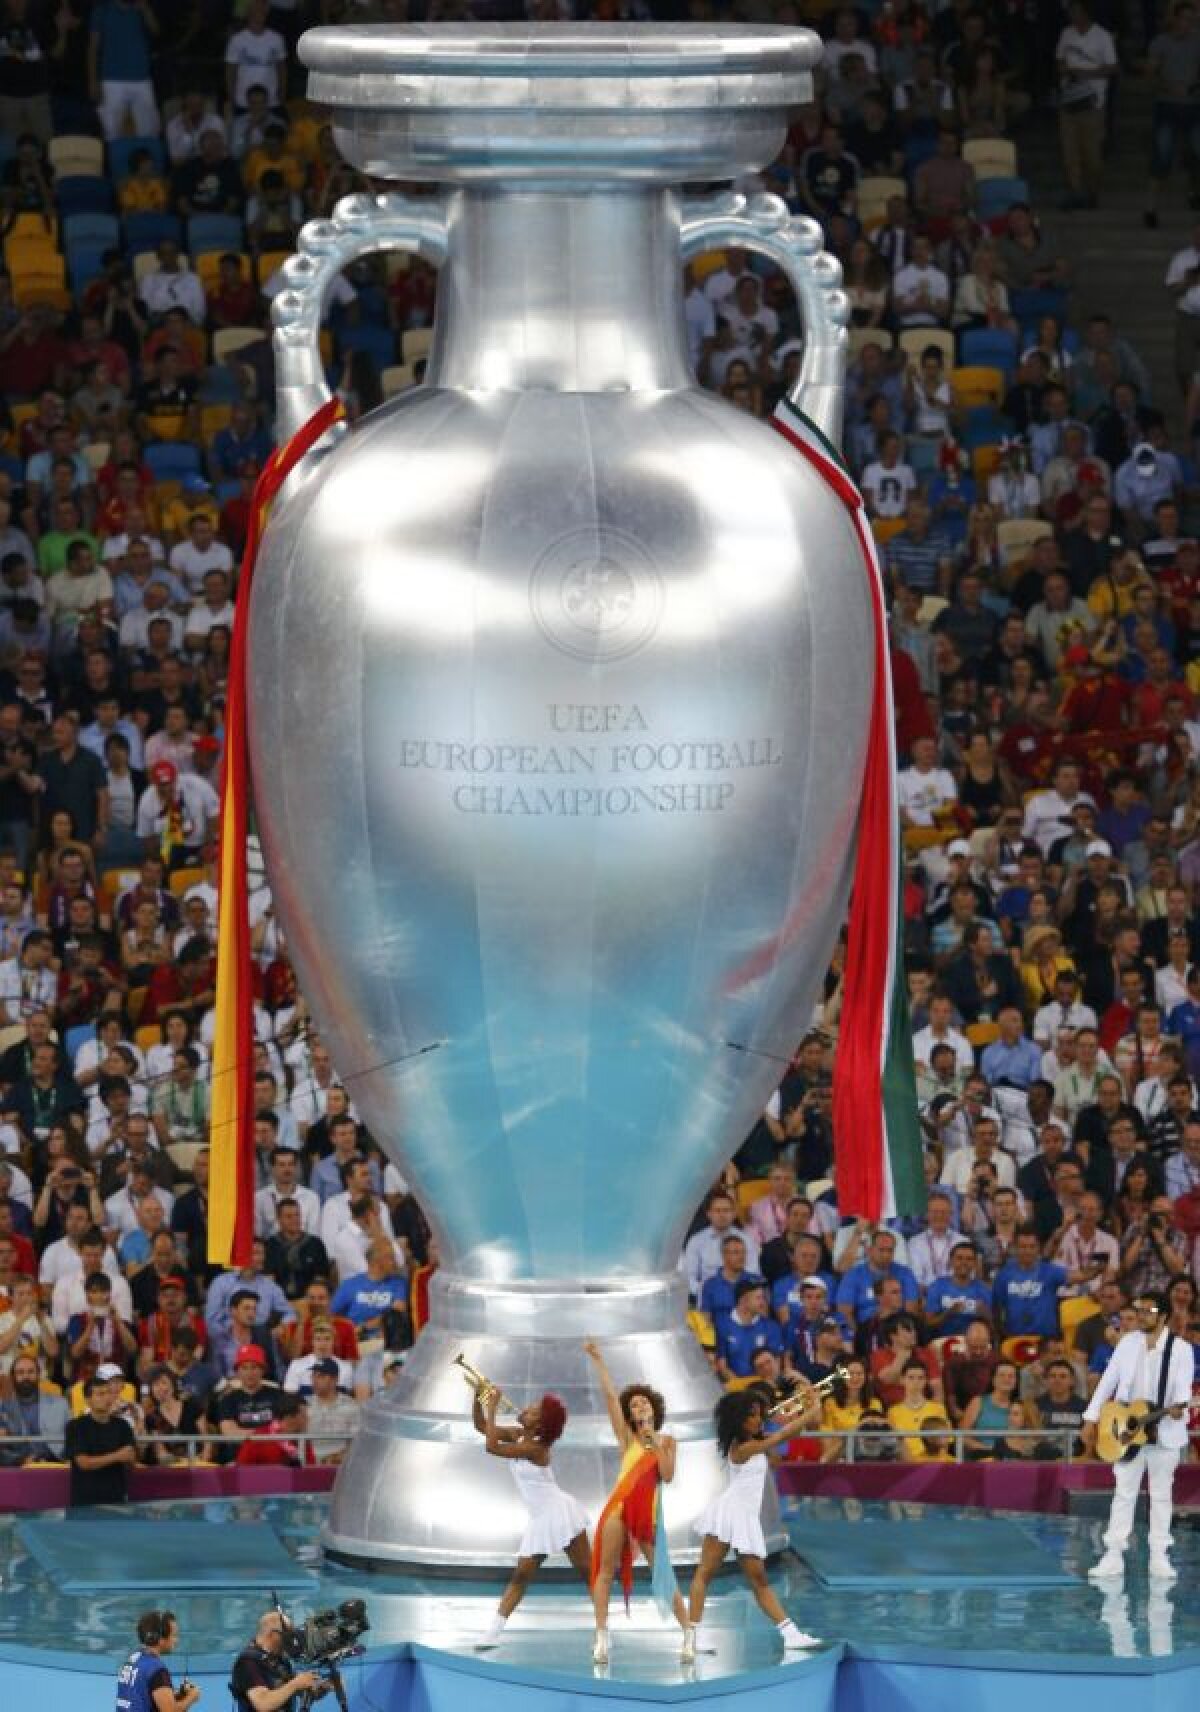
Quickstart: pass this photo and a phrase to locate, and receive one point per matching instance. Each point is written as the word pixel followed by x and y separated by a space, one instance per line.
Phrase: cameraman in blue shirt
pixel 144 1682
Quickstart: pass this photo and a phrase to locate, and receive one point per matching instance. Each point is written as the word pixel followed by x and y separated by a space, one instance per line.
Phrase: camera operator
pixel 263 1679
pixel 144 1682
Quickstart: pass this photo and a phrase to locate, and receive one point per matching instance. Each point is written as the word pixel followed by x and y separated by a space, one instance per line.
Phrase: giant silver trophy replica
pixel 560 676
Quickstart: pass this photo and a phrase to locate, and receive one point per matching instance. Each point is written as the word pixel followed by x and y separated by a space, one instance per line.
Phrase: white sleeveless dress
pixel 554 1516
pixel 736 1516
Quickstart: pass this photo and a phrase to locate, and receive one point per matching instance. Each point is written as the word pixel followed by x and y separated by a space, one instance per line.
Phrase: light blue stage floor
pixel 1072 1628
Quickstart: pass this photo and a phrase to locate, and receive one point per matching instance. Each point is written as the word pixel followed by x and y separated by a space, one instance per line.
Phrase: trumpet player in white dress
pixel 733 1521
pixel 556 1521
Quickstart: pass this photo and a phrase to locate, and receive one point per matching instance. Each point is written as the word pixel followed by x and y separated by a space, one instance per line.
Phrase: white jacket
pixel 1132 1374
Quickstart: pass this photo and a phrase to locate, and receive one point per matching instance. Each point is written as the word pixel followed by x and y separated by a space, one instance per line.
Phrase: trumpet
pixel 796 1403
pixel 483 1388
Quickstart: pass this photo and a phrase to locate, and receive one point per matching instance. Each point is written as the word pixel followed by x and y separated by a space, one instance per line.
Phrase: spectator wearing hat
pixel 99 1446
pixel 333 1417
pixel 158 1330
pixel 251 1401
pixel 176 814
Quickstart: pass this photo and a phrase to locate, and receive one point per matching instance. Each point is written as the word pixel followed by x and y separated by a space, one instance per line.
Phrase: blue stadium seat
pixel 922 456
pixel 227 490
pixel 85 262
pixel 101 229
pixel 79 195
pixel 121 151
pixel 219 385
pixel 989 348
pixel 215 232
pixel 983 427
pixel 171 460
pixel 997 195
pixel 1031 302
pixel 147 231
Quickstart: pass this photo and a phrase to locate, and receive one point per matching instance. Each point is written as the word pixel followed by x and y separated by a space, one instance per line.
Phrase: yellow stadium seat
pixel 229 340
pixel 1072 1312
pixel 397 378
pixel 701 1327
pixel 148 1035
pixel 415 343
pixel 991 157
pixel 914 340
pixel 883 528
pixel 1016 535
pixel 214 417
pixel 183 879
pixel 268 262
pixel 982 1033
pixel 704 266
pixel 860 336
pixel 22 412
pixel 973 386
pixel 874 194
pixel 749 1192
pixel 34 288
pixel 985 461
pixel 76 157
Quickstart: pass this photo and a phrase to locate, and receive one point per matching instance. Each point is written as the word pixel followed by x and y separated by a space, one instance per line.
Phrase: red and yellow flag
pixel 231 1128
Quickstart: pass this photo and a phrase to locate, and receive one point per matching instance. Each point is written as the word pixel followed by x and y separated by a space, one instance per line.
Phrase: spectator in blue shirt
pixel 1013 1058
pixel 856 1293
pixel 365 1298
pixel 119 66
pixel 750 1328
pixel 273 1305
pixel 718 1296
pixel 1184 1022
pixel 958 1296
pixel 1025 1290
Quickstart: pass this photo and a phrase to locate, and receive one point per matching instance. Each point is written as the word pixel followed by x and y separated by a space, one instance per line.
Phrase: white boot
pixel 795 1640
pixel 1110 1568
pixel 492 1634
pixel 600 1647
pixel 688 1651
pixel 1161 1567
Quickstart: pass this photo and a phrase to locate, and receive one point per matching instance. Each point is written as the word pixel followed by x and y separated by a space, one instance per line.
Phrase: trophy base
pixel 417 1490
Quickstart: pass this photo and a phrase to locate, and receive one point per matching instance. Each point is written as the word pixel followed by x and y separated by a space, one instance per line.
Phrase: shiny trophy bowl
pixel 560 671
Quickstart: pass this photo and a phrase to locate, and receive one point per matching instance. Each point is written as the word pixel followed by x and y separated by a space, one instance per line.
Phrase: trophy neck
pixel 562 290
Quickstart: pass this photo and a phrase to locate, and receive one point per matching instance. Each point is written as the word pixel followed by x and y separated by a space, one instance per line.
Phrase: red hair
pixel 552 1418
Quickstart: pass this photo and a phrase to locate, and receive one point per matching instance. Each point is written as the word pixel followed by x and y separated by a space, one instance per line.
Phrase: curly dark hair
pixel 653 1397
pixel 731 1414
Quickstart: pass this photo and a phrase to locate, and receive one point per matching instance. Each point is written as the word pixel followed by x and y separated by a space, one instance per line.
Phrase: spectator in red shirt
pixel 276 1445
pixel 1098 700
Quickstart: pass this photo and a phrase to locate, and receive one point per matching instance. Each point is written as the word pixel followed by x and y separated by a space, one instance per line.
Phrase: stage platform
pixel 926 1636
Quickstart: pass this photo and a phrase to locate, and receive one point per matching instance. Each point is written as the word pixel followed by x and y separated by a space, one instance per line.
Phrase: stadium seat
pixel 101 229
pixel 970 387
pixel 989 347
pixel 171 460
pixel 148 231
pixel 148 1035
pixel 214 417
pixel 415 344
pixel 83 195
pixel 873 196
pixel 751 1190
pixel 983 425
pixel 78 157
pixel 183 879
pixel 85 262
pixel 985 461
pixel 29 225
pixel 219 385
pixel 913 340
pixel 398 377
pixel 995 196
pixel 269 262
pixel 1016 535
pixel 1031 303
pixel 883 528
pixel 229 340
pixel 215 232
pixel 121 151
pixel 991 157
pixel 1072 1312
pixel 922 456
pixel 860 336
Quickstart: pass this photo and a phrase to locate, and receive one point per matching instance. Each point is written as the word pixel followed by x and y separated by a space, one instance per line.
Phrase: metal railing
pixel 962 1440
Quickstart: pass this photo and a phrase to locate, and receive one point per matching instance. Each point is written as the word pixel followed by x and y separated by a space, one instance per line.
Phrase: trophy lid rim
pixel 680 53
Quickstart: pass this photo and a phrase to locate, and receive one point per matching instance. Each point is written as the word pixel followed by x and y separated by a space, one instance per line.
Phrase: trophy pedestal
pixel 418 1491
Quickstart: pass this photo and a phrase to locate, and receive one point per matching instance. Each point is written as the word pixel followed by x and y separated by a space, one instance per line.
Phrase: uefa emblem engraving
pixel 596 594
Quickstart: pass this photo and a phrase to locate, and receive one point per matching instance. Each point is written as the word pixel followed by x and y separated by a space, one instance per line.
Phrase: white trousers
pixel 119 98
pixel 1158 1464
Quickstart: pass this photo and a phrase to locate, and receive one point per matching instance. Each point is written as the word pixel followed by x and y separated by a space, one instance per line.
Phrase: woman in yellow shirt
pixel 845 1408
pixel 145 190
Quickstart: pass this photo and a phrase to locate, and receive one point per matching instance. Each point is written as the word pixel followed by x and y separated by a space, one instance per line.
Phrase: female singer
pixel 633 1513
pixel 733 1521
pixel 556 1522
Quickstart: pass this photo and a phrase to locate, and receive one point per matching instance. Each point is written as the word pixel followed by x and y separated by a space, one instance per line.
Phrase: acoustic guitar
pixel 1124 1428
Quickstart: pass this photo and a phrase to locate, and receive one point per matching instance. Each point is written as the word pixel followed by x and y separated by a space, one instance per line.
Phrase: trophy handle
pixel 763 224
pixel 360 224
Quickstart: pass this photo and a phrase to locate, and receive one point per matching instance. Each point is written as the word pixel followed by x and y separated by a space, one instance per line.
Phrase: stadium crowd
pixel 158 160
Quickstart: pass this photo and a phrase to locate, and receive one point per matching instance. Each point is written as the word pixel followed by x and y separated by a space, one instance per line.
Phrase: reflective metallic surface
pixel 560 703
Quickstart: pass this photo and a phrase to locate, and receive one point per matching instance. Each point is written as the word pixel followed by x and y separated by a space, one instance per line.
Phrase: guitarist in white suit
pixel 1153 1366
